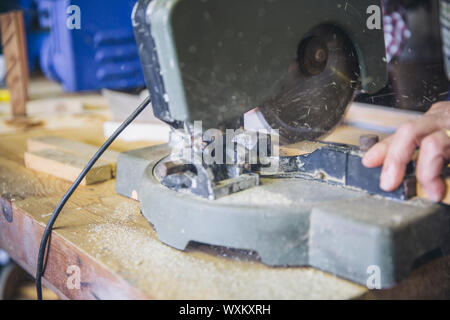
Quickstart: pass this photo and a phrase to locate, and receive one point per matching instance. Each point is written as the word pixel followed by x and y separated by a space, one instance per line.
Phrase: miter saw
pixel 297 65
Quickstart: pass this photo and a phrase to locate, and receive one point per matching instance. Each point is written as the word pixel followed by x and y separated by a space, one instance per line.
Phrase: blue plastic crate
pixel 101 54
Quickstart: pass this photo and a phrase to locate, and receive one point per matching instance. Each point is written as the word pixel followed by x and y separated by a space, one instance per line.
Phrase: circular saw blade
pixel 319 86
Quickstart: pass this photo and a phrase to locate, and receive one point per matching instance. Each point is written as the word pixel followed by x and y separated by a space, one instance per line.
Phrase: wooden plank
pixel 299 148
pixel 55 106
pixel 377 118
pixel 60 106
pixel 154 132
pixel 20 238
pixel 343 134
pixel 66 145
pixel 66 166
pixel 14 50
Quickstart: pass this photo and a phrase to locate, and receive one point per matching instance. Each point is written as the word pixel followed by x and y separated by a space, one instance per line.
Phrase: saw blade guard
pixel 205 62
pixel 318 88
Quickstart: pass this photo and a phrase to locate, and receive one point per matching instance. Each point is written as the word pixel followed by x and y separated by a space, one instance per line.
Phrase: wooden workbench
pixel 120 257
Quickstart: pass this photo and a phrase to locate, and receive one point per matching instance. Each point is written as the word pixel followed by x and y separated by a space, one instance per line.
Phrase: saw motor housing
pixel 299 62
pixel 214 60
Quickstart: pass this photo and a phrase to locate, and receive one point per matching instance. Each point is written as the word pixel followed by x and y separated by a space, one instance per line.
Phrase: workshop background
pixel 103 57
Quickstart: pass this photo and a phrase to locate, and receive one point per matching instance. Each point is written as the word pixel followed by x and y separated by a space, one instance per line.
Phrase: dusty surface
pixel 112 232
pixel 119 254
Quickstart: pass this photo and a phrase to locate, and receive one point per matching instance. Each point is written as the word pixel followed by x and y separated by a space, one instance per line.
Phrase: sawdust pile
pixel 133 251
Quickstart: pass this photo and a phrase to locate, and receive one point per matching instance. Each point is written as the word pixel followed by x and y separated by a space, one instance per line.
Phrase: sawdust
pixel 262 197
pixel 25 123
pixel 288 193
pixel 299 148
pixel 166 273
pixel 124 212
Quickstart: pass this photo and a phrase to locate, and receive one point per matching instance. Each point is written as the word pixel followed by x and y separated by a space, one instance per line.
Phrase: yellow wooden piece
pixel 4 95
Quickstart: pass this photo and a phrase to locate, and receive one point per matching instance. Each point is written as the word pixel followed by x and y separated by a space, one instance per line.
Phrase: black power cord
pixel 73 187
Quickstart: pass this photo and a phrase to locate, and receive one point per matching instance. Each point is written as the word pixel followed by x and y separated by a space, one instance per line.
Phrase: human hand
pixel 430 133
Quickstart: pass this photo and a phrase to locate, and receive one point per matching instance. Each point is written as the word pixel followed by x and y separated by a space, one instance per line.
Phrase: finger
pixel 434 153
pixel 375 156
pixel 403 145
pixel 439 107
pixel 398 155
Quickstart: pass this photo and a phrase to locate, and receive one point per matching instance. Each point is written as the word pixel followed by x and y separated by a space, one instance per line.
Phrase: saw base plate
pixel 294 222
